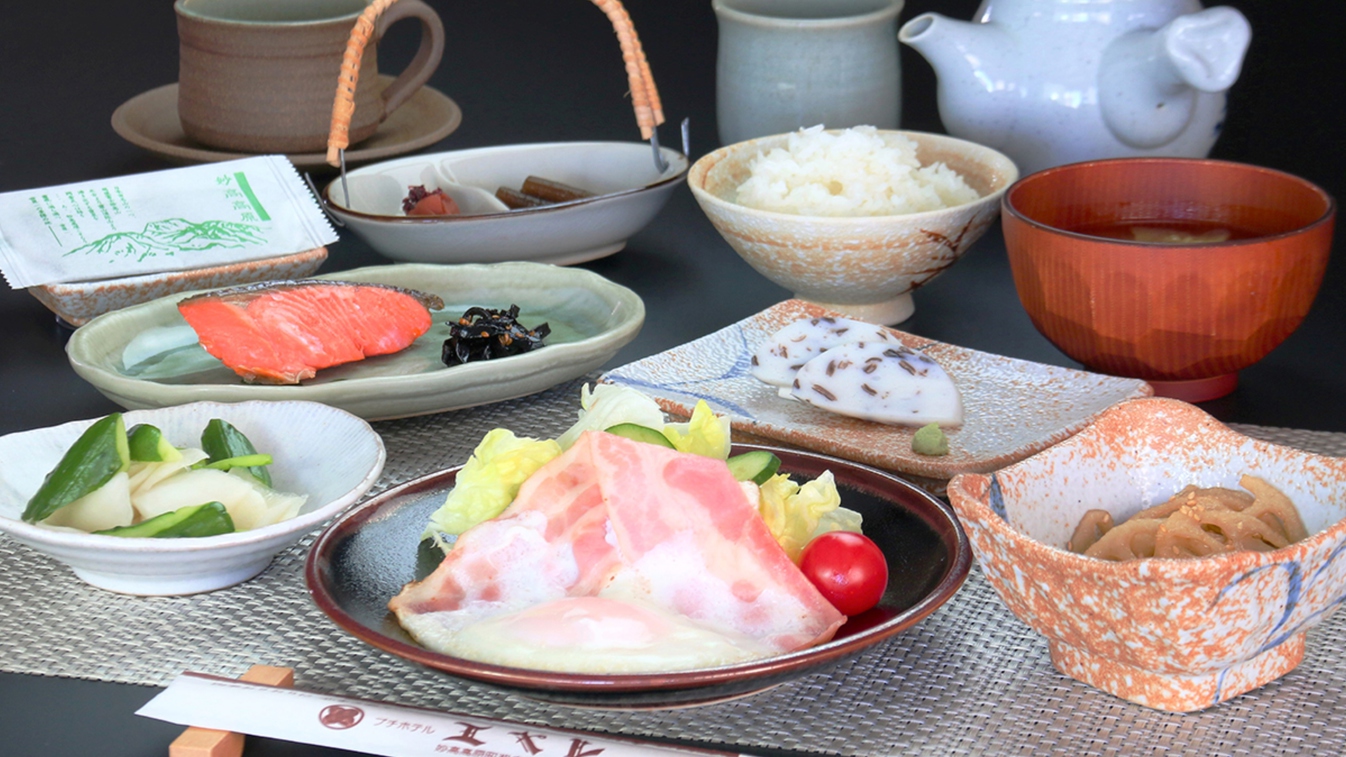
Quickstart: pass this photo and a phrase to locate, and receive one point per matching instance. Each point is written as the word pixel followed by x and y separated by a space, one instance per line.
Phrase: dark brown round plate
pixel 371 552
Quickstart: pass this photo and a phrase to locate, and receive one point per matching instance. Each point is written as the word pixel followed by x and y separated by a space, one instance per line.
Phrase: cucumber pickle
pixel 245 461
pixel 222 441
pixel 148 445
pixel 100 453
pixel 107 448
pixel 210 519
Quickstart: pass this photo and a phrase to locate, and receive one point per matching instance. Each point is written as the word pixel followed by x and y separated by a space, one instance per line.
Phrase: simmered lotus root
pixel 1092 526
pixel 1195 523
pixel 1273 508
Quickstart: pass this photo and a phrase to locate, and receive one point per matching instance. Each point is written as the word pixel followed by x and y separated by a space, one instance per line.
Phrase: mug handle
pixel 418 72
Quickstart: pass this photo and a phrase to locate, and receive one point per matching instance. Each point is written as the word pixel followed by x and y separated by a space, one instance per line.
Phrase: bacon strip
pixel 629 522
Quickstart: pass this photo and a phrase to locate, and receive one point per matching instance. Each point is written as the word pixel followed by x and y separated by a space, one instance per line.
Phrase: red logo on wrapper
pixel 339 717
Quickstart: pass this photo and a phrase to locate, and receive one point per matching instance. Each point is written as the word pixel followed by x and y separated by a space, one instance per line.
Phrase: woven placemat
pixel 969 680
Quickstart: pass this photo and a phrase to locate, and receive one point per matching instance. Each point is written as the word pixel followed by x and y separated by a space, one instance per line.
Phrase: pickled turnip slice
pixel 108 506
pixel 146 476
pixel 886 383
pixel 781 356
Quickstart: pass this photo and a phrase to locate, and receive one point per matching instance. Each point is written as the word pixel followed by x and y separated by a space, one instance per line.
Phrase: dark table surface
pixel 532 71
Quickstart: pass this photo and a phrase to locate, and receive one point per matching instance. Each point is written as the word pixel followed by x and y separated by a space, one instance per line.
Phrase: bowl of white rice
pixel 853 219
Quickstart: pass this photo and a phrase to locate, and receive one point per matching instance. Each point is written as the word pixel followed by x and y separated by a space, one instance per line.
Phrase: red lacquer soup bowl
pixel 1177 271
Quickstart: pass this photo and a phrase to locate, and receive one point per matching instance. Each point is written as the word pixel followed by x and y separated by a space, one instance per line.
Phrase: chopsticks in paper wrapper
pixel 644 95
pixel 210 742
pixel 173 220
pixel 371 727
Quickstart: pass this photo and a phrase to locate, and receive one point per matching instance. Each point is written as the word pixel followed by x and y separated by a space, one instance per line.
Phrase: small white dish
pixel 629 190
pixel 320 451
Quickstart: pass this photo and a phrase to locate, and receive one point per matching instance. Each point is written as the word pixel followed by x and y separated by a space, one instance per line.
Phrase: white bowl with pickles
pixel 186 499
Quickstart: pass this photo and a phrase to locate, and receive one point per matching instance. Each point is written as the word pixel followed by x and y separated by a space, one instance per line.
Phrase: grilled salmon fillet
pixel 283 332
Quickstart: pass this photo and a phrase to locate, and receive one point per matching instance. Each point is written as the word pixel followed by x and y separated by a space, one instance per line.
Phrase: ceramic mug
pixel 786 64
pixel 260 76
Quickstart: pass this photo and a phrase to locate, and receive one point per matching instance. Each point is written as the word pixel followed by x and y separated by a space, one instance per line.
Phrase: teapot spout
pixel 971 62
pixel 1149 80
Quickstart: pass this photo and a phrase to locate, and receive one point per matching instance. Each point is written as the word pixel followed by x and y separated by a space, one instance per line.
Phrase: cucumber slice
pixel 757 466
pixel 210 519
pixel 148 445
pixel 639 433
pixel 245 461
pixel 100 453
pixel 222 441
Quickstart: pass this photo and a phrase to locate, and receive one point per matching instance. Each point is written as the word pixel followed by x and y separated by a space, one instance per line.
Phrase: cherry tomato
pixel 848 568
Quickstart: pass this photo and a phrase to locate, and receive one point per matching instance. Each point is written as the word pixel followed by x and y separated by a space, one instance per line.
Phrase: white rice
pixel 854 172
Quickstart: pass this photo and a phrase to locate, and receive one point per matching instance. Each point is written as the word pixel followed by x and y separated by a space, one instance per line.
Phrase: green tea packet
pixel 173 220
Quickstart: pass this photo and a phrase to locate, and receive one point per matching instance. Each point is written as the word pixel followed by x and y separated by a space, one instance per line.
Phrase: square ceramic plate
pixel 590 318
pixel 1012 408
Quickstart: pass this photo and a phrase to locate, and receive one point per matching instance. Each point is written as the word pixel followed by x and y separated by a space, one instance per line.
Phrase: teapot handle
pixel 1148 81
pixel 338 136
pixel 1207 48
pixel 644 96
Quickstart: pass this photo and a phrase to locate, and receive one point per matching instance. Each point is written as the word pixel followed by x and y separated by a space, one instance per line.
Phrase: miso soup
pixel 1165 231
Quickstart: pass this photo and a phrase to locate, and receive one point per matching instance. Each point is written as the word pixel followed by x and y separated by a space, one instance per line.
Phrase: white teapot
pixel 1049 82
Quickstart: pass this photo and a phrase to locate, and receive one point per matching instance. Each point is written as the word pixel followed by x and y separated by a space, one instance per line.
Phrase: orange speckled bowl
pixel 1172 634
pixel 1184 317
pixel 864 267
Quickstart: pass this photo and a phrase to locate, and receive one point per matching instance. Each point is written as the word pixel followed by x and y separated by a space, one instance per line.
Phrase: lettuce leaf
pixel 491 478
pixel 796 514
pixel 608 405
pixel 488 482
pixel 706 434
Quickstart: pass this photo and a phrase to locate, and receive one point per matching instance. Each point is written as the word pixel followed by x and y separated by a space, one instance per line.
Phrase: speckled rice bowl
pixel 863 266
pixel 1172 634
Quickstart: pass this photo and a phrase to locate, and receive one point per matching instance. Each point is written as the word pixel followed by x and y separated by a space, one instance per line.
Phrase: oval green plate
pixel 591 318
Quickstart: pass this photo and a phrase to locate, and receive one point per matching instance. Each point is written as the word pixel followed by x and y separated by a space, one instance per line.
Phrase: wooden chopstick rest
pixel 209 742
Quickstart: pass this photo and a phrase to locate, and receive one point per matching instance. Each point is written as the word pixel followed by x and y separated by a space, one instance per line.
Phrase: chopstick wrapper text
pixel 373 727
pixel 179 219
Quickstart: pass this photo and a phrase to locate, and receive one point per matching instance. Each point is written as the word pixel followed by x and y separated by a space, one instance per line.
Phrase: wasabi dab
pixel 930 440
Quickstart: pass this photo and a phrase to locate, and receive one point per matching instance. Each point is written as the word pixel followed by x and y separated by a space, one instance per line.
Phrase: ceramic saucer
pixel 150 120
